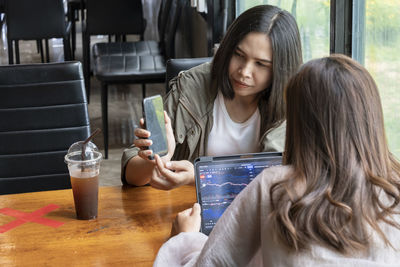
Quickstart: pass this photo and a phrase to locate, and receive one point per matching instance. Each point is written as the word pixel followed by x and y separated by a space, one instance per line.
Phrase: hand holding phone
pixel 153 113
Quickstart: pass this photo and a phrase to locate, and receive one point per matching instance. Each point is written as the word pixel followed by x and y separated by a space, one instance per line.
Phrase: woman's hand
pixel 144 141
pixel 187 221
pixel 171 174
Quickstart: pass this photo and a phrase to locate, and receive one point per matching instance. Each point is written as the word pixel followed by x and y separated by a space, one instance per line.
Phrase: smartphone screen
pixel 154 121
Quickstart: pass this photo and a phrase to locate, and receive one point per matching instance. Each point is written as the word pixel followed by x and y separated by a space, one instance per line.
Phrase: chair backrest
pixel 38 19
pixel 168 39
pixel 114 17
pixel 43 110
pixel 176 65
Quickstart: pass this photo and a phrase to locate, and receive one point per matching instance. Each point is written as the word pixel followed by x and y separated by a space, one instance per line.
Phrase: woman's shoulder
pixel 274 174
pixel 192 79
pixel 192 88
pixel 274 138
pixel 199 70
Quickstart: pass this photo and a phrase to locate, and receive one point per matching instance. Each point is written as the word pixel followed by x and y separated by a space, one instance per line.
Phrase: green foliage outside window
pixel 382 59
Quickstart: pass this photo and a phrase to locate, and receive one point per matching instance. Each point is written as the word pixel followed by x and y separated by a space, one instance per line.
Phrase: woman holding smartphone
pixel 230 106
pixel 334 202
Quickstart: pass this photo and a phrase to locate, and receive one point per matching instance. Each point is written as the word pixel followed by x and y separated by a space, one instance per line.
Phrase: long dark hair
pixel 342 168
pixel 281 28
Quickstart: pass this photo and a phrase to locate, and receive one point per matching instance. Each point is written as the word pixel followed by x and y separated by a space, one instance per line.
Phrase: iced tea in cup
pixel 83 161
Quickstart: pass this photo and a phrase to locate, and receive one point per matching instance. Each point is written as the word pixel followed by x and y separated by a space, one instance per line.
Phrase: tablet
pixel 220 179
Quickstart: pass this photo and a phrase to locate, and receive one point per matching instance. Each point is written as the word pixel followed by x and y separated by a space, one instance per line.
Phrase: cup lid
pixel 80 152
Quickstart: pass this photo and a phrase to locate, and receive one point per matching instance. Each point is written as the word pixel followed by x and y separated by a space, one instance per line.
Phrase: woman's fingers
pixel 143 142
pixel 141 121
pixel 182 165
pixel 174 177
pixel 159 182
pixel 186 212
pixel 145 154
pixel 142 133
pixel 163 178
pixel 196 210
pixel 188 220
pixel 170 136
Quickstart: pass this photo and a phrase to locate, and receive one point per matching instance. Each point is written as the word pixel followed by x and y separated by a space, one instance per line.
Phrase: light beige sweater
pixel 242 237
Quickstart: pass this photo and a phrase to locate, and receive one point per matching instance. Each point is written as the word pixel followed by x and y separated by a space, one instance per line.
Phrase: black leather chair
pixel 105 17
pixel 36 20
pixel 148 47
pixel 176 65
pixel 114 69
pixel 43 110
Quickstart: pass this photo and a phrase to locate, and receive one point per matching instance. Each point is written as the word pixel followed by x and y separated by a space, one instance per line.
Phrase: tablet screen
pixel 218 183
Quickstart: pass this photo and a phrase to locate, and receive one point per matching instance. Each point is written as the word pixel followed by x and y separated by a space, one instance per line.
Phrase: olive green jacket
pixel 190 104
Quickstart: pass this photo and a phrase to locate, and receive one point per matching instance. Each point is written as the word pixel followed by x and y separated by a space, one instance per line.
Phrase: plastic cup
pixel 84 167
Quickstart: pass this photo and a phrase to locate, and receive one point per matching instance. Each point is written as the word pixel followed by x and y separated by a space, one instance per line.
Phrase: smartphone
pixel 153 113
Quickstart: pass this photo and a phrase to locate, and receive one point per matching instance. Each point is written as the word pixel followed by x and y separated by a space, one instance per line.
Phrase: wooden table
pixel 132 225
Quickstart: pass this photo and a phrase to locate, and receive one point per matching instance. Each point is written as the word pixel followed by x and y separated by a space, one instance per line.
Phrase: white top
pixel 243 233
pixel 228 137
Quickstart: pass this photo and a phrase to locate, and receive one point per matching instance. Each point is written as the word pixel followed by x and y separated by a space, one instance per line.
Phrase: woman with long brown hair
pixel 233 105
pixel 335 201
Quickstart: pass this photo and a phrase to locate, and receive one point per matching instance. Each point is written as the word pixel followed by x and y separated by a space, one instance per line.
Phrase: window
pixel 312 17
pixel 376 43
